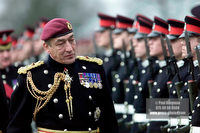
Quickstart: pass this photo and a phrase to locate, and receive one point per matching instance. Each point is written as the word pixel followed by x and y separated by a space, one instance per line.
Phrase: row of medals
pixel 91 85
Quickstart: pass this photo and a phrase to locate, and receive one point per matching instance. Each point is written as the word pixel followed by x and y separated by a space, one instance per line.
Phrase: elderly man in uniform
pixel 68 93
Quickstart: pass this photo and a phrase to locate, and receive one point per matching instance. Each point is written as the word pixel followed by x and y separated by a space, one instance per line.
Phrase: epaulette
pixel 23 70
pixel 91 59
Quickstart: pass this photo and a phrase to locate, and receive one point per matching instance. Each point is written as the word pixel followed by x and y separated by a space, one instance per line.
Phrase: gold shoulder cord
pixel 90 59
pixel 46 95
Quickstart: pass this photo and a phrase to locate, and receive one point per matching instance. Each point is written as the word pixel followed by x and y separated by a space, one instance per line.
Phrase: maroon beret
pixel 55 28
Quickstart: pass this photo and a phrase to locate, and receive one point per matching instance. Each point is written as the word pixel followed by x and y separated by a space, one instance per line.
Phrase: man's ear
pixel 46 47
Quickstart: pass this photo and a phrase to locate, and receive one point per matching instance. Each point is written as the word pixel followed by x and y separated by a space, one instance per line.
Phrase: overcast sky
pixel 16 14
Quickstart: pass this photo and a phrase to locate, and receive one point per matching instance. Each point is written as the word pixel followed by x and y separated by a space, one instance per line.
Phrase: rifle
pixel 192 85
pixel 114 54
pixel 95 47
pixel 136 70
pixel 169 71
pixel 150 82
pixel 168 61
pixel 143 126
pixel 178 84
pixel 125 59
pixel 197 48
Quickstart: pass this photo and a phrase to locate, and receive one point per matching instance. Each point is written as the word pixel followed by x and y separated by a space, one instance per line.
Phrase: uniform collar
pixel 180 63
pixel 145 63
pixel 108 52
pixel 196 63
pixel 57 65
pixel 162 63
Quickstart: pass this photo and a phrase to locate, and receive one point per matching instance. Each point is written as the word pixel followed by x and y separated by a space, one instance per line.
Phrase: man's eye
pixel 61 43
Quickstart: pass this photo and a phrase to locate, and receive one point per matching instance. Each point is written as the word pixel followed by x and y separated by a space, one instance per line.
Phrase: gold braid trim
pixel 23 70
pixel 90 59
pixel 43 100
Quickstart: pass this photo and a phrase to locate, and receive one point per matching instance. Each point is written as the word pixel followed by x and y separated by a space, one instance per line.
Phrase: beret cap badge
pixel 69 25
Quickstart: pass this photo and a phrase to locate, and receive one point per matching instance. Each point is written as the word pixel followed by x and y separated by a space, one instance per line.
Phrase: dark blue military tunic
pixel 159 90
pixel 122 73
pixel 4 112
pixel 118 89
pixel 111 63
pixel 142 91
pixel 196 106
pixel 55 115
pixel 183 73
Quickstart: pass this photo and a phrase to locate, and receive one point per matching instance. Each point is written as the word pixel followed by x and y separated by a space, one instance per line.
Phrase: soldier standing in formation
pixel 159 89
pixel 121 43
pixel 145 64
pixel 179 64
pixel 104 39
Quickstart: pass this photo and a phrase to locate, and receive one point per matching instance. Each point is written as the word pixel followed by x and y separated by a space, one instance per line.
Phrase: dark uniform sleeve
pixel 21 108
pixel 107 121
pixel 4 113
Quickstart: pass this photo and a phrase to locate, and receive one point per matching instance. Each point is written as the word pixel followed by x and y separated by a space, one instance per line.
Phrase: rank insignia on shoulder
pixel 90 59
pixel 23 70
pixel 90 80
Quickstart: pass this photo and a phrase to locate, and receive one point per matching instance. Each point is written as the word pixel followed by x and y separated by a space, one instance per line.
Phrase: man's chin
pixel 69 61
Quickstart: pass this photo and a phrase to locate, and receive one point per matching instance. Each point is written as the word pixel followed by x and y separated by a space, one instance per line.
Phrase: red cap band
pixel 107 23
pixel 176 31
pixel 161 29
pixel 193 28
pixel 144 30
pixel 124 25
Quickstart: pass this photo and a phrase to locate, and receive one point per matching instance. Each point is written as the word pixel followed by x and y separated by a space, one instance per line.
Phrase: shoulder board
pixel 91 59
pixel 23 70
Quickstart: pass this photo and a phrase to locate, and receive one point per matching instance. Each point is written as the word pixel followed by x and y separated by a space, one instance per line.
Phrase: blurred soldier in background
pixel 104 40
pixel 38 51
pixel 121 43
pixel 191 82
pixel 4 111
pixel 144 65
pixel 179 65
pixel 159 89
pixel 196 114
pixel 8 71
pixel 24 51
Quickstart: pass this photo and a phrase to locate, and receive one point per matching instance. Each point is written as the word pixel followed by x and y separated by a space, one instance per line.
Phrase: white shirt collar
pixel 196 63
pixel 145 63
pixel 162 63
pixel 108 52
pixel 180 63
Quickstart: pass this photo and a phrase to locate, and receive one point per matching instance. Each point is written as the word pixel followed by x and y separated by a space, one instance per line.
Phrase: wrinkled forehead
pixel 62 38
